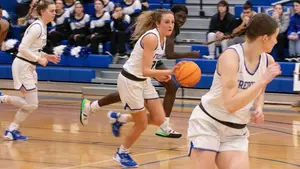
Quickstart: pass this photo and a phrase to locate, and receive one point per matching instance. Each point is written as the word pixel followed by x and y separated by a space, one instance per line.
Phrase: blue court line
pixel 274 130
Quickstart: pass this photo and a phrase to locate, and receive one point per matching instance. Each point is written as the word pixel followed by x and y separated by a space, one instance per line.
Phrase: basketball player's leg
pixel 203 159
pixel 4 28
pixel 26 106
pixel 168 102
pixel 88 107
pixel 232 160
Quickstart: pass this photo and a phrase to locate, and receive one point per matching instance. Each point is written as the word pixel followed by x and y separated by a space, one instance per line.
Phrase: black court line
pixel 32 161
pixel 278 122
pixel 102 144
pixel 278 161
pixel 274 145
pixel 278 131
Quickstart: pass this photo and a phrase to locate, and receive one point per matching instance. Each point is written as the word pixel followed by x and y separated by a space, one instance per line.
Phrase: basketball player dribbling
pixel 180 12
pixel 217 131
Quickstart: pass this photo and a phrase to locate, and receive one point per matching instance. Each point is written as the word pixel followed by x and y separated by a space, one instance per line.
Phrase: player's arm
pixel 149 44
pixel 32 35
pixel 170 54
pixel 228 65
pixel 259 101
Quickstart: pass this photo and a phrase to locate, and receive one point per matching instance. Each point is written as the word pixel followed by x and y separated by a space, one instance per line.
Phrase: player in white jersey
pixel 217 131
pixel 134 82
pixel 24 65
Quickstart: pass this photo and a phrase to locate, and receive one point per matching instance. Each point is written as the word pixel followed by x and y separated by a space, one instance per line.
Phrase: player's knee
pixel 158 121
pixel 30 107
pixel 142 126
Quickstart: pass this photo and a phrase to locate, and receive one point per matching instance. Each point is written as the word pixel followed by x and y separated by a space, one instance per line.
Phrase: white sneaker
pixel 85 111
pixel 208 57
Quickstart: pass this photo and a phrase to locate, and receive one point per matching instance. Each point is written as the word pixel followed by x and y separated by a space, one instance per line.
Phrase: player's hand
pixel 272 71
pixel 43 61
pixel 163 78
pixel 258 116
pixel 196 54
pixel 53 58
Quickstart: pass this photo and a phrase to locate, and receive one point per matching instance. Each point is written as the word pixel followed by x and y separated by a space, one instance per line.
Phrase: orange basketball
pixel 187 73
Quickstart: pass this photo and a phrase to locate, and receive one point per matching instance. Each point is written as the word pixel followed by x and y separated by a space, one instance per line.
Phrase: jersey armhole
pixel 217 67
pixel 36 24
pixel 143 38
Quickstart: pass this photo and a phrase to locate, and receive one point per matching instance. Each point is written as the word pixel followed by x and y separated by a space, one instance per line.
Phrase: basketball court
pixel 57 140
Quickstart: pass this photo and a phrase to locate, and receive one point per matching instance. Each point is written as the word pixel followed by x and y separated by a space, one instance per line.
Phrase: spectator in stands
pixel 4 27
pixel 132 8
pixel 220 25
pixel 22 8
pixel 80 23
pixel 241 23
pixel 69 5
pixel 145 5
pixel 283 22
pixel 100 27
pixel 61 28
pixel 119 24
pixel 30 17
pixel 108 6
pixel 293 31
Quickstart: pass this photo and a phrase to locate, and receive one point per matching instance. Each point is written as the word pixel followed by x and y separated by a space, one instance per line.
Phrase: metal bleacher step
pixel 191 36
pixel 196 23
pixel 209 10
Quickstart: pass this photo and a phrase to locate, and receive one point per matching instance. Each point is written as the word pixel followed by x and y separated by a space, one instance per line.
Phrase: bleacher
pixel 99 68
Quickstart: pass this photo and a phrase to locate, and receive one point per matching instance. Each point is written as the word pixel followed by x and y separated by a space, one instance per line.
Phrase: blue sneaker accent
pixel 115 124
pixel 14 135
pixel 125 160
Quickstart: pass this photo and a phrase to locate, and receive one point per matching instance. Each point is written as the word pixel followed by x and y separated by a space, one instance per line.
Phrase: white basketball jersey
pixel 134 64
pixel 213 101
pixel 34 44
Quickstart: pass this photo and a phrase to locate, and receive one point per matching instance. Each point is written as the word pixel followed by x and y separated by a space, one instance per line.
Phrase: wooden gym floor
pixel 57 139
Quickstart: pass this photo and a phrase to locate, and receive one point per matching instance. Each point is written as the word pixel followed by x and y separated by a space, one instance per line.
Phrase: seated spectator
pixel 100 27
pixel 220 25
pixel 31 16
pixel 145 5
pixel 80 23
pixel 4 27
pixel 132 8
pixel 69 5
pixel 5 15
pixel 61 28
pixel 283 21
pixel 241 23
pixel 120 22
pixel 294 30
pixel 22 8
pixel 108 6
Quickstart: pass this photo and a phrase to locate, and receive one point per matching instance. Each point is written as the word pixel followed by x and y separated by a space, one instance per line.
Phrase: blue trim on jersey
pixel 127 106
pixel 246 65
pixel 152 98
pixel 137 11
pixel 201 149
pixel 25 88
pixel 238 59
pixel 143 38
pixel 267 61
